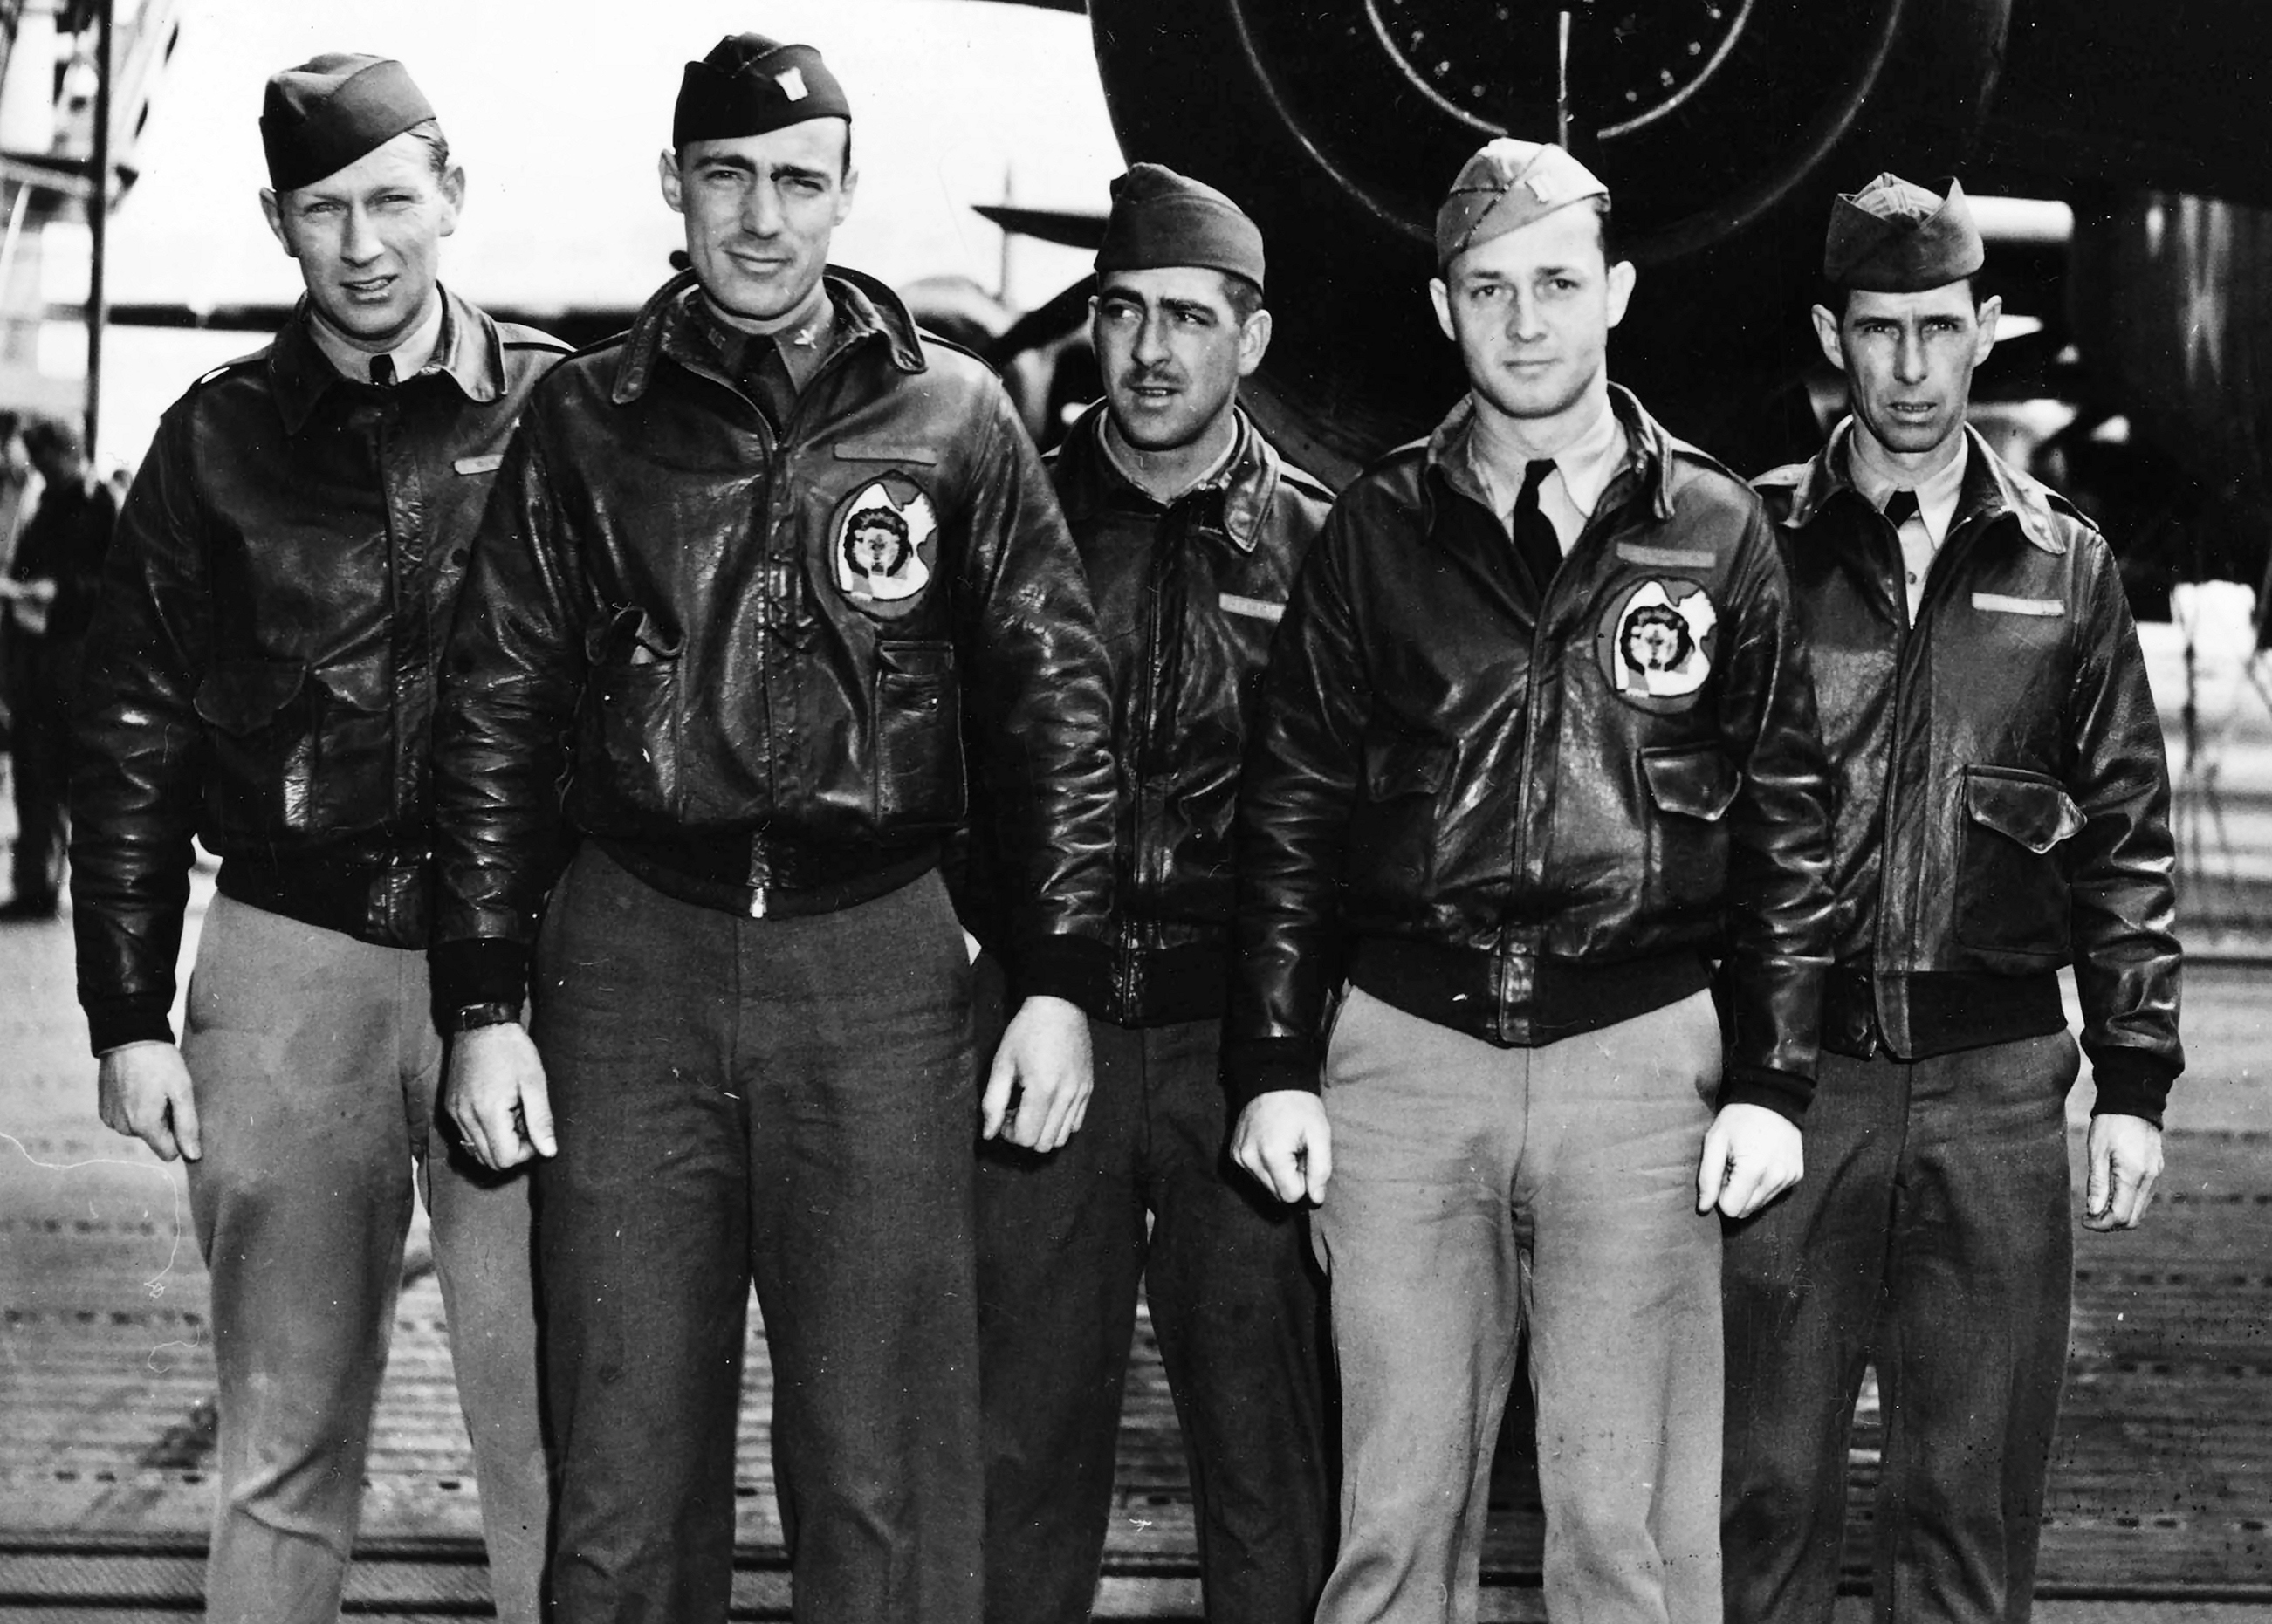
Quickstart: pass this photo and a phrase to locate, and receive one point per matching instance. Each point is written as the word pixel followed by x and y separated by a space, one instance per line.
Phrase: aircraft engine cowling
pixel 1722 127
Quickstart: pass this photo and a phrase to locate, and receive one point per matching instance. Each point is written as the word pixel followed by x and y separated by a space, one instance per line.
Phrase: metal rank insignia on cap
pixel 791 81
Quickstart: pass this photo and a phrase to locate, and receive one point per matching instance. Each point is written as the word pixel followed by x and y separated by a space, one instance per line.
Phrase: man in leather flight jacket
pixel 1189 528
pixel 753 564
pixel 261 674
pixel 1537 740
pixel 2002 811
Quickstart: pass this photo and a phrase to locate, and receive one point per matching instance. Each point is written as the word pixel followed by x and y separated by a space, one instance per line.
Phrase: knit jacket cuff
pixel 1253 1066
pixel 1785 1093
pixel 478 970
pixel 1073 968
pixel 114 1023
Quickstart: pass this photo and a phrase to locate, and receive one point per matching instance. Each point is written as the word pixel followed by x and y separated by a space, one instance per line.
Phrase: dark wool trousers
pixel 1145 1194
pixel 1931 1236
pixel 788 1101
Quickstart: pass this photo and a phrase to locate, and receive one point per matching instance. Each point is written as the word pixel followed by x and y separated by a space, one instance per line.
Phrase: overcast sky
pixel 557 109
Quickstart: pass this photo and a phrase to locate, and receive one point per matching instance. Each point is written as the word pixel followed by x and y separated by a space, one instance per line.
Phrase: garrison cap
pixel 1895 237
pixel 749 85
pixel 319 117
pixel 1160 218
pixel 1507 184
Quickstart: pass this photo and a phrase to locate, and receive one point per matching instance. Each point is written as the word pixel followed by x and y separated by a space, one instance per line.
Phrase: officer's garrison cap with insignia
pixel 1507 184
pixel 749 85
pixel 1896 237
pixel 319 117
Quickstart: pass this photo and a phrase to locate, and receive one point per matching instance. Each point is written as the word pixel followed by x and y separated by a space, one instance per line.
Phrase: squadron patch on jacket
pixel 1658 643
pixel 885 545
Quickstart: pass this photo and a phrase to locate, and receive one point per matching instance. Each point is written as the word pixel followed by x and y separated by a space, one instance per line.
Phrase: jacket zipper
pixel 1904 669
pixel 1139 756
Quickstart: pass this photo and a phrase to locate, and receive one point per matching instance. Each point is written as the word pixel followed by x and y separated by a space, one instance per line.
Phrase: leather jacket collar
pixel 1646 447
pixel 1086 479
pixel 1990 490
pixel 865 310
pixel 471 354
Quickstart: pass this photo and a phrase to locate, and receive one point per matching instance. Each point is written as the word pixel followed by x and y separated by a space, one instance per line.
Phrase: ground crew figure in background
pixel 1190 527
pixel 2002 811
pixel 1535 741
pixel 262 674
pixel 50 591
pixel 757 561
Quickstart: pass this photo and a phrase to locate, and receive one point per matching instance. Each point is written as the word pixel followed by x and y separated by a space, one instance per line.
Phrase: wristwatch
pixel 468 1017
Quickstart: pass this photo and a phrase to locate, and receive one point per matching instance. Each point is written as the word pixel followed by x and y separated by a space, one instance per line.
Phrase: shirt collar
pixel 1585 466
pixel 1107 441
pixel 1086 475
pixel 410 356
pixel 732 343
pixel 863 309
pixel 1589 463
pixel 468 351
pixel 1988 489
pixel 1936 498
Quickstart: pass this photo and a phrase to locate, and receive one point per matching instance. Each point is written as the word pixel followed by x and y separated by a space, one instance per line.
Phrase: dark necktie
pixel 1535 541
pixel 1900 507
pixel 765 379
pixel 382 371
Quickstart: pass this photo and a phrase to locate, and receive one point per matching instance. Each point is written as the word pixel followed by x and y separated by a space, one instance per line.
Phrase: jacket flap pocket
pixel 2025 807
pixel 244 696
pixel 925 658
pixel 1697 781
pixel 629 636
pixel 1399 765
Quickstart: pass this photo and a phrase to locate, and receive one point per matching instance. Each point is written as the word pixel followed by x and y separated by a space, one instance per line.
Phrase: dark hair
pixel 1602 217
pixel 50 436
pixel 1240 293
pixel 437 145
pixel 1833 297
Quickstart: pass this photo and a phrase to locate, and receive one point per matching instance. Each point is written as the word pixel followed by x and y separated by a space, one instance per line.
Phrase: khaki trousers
pixel 316 1064
pixel 1475 1188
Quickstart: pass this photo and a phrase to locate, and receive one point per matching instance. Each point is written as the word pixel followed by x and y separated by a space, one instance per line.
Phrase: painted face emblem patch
pixel 885 545
pixel 1658 641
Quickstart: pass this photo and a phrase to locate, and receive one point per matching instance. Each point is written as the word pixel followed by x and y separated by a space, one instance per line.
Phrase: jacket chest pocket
pixel 1392 829
pixel 289 756
pixel 918 737
pixel 1691 790
pixel 2011 878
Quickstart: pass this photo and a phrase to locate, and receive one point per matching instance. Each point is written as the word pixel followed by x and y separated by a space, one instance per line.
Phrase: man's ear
pixel 1440 296
pixel 1253 342
pixel 453 197
pixel 1622 277
pixel 274 213
pixel 1991 308
pixel 666 171
pixel 845 190
pixel 1826 334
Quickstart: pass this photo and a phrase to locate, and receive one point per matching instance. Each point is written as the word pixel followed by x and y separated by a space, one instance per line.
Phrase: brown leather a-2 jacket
pixel 1529 819
pixel 2002 794
pixel 748 660
pixel 1188 597
pixel 262 667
